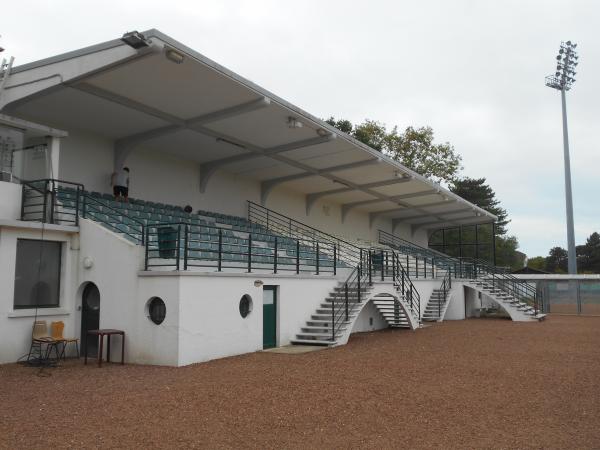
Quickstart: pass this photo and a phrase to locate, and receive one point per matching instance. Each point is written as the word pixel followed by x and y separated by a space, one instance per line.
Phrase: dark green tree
pixel 537 262
pixel 507 254
pixel 342 125
pixel 556 261
pixel 476 191
pixel 588 255
pixel 414 148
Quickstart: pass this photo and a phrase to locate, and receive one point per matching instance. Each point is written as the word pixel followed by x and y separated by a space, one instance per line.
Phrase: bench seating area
pixel 207 232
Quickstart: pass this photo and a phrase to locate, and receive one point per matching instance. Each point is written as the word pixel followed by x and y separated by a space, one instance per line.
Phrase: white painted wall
pixel 10 201
pixel 155 176
pixel 211 325
pixel 363 321
pixel 116 263
pixel 16 325
pixel 456 306
pixel 425 287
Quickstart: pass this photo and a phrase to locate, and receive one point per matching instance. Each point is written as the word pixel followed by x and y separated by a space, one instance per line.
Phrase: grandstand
pixel 298 233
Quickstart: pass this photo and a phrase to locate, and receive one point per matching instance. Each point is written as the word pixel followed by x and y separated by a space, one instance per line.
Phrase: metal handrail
pixel 445 287
pixel 285 225
pixel 404 284
pixel 302 258
pixel 471 268
pixel 52 210
pixel 357 279
pixel 90 201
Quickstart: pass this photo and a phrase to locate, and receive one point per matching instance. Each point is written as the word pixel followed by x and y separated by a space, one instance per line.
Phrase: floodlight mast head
pixel 566 61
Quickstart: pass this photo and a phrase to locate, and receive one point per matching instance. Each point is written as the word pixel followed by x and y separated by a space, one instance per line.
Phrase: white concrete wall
pixel 88 159
pixel 16 325
pixel 10 201
pixel 211 325
pixel 425 287
pixel 150 343
pixel 116 263
pixel 369 314
pixel 456 307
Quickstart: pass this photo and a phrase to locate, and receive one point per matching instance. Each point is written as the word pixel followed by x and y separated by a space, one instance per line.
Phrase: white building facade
pixel 194 133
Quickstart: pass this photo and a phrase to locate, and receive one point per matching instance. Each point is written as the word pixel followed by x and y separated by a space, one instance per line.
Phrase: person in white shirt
pixel 120 184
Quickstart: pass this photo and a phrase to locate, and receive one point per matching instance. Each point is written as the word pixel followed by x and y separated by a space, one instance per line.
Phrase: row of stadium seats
pixel 205 230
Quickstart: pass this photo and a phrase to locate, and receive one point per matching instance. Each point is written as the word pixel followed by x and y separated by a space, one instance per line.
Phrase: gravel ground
pixel 484 383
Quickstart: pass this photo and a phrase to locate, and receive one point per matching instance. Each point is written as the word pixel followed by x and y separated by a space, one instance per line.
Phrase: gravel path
pixel 469 384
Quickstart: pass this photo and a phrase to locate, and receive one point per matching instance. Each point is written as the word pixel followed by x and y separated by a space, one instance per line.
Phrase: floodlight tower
pixel 562 80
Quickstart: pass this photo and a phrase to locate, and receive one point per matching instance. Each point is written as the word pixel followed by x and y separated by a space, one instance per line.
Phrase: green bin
pixel 167 242
pixel 377 262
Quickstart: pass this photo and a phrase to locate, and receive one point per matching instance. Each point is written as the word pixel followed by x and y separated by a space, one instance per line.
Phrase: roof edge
pixel 154 33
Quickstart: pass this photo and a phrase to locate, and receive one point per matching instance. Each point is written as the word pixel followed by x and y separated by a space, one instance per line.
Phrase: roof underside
pixel 201 112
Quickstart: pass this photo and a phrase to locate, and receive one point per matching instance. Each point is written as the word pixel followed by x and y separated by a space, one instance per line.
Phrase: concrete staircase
pixel 318 329
pixel 517 309
pixel 391 311
pixel 438 302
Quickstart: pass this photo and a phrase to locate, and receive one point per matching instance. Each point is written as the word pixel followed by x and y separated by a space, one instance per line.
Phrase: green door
pixel 269 316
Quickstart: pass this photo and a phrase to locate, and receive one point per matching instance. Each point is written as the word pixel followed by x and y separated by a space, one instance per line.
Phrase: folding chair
pixel 39 338
pixel 56 331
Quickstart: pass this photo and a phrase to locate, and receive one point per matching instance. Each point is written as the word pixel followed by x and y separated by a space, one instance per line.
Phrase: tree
pixel 414 148
pixel 507 254
pixel 476 191
pixel 556 261
pixel 343 125
pixel 537 262
pixel 588 255
pixel 373 134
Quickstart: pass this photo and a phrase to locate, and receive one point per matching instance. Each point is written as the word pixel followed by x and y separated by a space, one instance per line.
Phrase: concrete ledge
pixel 41 312
pixel 194 273
pixel 37 226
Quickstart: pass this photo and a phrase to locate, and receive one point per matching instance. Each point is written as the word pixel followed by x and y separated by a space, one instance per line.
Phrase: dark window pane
pixel 157 310
pixel 37 274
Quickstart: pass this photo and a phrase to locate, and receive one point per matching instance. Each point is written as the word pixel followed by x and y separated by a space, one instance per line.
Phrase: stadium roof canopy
pixel 156 92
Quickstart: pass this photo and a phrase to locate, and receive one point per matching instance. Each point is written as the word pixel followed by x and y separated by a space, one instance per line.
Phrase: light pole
pixel 562 80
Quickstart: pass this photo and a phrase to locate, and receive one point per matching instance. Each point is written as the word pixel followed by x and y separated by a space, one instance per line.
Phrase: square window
pixel 37 274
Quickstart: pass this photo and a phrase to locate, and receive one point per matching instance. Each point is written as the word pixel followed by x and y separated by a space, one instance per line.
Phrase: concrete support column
pixel 53 157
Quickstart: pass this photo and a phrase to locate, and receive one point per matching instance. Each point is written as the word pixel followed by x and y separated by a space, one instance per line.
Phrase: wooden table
pixel 106 332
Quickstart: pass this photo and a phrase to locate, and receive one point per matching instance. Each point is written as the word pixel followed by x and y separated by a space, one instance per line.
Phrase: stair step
pixel 312 342
pixel 313 334
pixel 321 330
pixel 316 322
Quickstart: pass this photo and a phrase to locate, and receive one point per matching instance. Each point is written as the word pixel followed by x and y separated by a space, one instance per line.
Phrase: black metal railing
pixel 445 288
pixel 374 265
pixel 350 294
pixel 405 287
pixel 499 279
pixel 286 226
pixel 182 246
pixel 41 201
pixel 468 268
pixel 113 218
pixel 425 260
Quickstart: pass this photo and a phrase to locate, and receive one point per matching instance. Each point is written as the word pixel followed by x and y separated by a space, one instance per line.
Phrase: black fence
pixel 182 246
pixel 469 268
pixel 282 225
pixel 112 218
pixel 374 265
pixel 41 201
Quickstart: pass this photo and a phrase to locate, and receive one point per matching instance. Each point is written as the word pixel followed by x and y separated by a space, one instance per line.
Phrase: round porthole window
pixel 245 306
pixel 156 310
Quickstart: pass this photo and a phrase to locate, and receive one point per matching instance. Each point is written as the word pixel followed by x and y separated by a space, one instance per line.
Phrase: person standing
pixel 120 184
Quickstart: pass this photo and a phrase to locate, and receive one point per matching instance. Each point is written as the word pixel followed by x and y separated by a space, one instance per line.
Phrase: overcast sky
pixel 473 70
